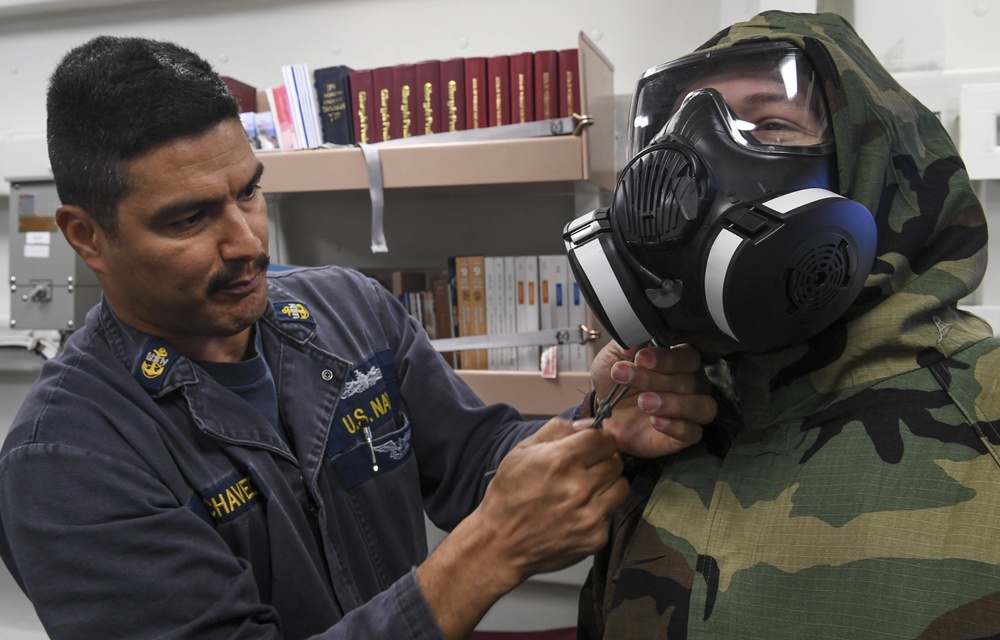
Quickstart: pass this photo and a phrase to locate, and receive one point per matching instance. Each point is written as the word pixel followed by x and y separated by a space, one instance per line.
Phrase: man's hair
pixel 112 99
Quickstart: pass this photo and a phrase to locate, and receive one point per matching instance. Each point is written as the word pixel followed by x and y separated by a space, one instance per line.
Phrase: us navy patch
pixel 369 398
pixel 293 311
pixel 151 368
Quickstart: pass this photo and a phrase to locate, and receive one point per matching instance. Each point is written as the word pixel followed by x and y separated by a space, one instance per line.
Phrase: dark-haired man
pixel 223 452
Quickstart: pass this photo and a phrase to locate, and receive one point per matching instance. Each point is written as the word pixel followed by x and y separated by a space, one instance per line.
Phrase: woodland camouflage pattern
pixel 850 487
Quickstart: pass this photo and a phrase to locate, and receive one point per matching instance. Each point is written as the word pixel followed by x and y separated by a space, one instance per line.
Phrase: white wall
pixel 250 39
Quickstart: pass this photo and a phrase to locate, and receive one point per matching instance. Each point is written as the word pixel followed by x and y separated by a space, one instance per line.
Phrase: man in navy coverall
pixel 226 453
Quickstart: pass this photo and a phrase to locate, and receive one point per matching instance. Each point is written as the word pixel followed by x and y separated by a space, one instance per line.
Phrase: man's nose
pixel 239 240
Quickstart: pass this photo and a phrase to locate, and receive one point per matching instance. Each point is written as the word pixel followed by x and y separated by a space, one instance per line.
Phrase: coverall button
pixel 327 375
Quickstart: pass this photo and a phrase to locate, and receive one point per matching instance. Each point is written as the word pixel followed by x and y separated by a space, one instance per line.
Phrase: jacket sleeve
pixel 456 436
pixel 103 550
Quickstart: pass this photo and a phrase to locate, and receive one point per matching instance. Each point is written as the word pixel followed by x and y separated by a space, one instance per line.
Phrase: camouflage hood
pixel 894 157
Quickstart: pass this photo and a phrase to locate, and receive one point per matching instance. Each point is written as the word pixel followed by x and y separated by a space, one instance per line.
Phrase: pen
pixel 371 447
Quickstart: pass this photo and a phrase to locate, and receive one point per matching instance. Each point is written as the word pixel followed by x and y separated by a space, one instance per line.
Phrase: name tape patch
pixel 231 497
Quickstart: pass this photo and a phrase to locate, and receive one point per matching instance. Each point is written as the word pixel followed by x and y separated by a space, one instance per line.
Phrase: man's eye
pixel 190 221
pixel 249 192
pixel 776 125
pixel 782 132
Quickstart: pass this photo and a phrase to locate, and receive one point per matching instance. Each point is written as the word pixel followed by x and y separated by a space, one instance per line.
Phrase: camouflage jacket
pixel 850 486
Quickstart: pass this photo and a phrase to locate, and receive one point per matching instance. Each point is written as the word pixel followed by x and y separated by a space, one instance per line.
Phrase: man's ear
pixel 84 235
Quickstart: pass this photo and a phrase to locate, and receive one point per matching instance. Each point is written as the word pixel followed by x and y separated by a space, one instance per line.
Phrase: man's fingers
pixel 574 438
pixel 683 432
pixel 675 370
pixel 554 429
pixel 681 358
pixel 693 407
pixel 607 474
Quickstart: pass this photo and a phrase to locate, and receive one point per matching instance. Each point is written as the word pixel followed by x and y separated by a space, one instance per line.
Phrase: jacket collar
pixel 160 368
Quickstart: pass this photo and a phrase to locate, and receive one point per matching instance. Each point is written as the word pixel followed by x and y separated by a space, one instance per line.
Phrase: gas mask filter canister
pixel 724 230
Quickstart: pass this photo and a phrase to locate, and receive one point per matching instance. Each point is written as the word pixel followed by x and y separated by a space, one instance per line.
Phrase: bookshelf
pixel 575 166
pixel 557 160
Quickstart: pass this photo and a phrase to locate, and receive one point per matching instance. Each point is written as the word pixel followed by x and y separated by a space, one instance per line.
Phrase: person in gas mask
pixel 808 225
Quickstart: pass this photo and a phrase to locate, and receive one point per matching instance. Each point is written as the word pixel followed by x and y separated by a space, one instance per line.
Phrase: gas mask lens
pixel 775 102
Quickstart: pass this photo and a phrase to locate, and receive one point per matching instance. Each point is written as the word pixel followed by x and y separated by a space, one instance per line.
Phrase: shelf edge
pixel 492 162
pixel 528 390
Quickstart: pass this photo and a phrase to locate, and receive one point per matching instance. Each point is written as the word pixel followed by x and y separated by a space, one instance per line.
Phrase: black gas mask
pixel 724 230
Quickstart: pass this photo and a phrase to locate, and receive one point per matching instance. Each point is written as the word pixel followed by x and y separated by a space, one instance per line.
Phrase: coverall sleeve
pixel 456 436
pixel 103 550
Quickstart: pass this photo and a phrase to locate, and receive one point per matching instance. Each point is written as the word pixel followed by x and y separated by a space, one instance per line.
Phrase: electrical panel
pixel 50 286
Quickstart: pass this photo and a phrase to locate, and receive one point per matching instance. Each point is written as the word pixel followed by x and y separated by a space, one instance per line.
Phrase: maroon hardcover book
pixel 569 82
pixel 546 84
pixel 428 82
pixel 404 97
pixel 453 94
pixel 385 116
pixel 363 105
pixel 522 87
pixel 498 90
pixel 475 93
pixel 245 95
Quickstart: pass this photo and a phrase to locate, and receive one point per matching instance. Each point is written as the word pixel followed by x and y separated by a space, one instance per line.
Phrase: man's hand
pixel 668 403
pixel 547 507
pixel 552 496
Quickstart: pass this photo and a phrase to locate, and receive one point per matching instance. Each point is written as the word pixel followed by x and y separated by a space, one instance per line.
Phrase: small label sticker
pixel 28 224
pixel 36 251
pixel 549 361
pixel 38 237
pixel 26 204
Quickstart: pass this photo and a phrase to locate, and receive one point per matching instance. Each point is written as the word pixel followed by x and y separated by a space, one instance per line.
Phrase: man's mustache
pixel 233 273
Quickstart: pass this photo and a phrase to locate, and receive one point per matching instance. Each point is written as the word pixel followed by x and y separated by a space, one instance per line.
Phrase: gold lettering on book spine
pixel 475 103
pixel 520 98
pixel 569 94
pixel 404 108
pixel 332 105
pixel 428 108
pixel 498 85
pixel 384 112
pixel 363 116
pixel 452 106
pixel 546 98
